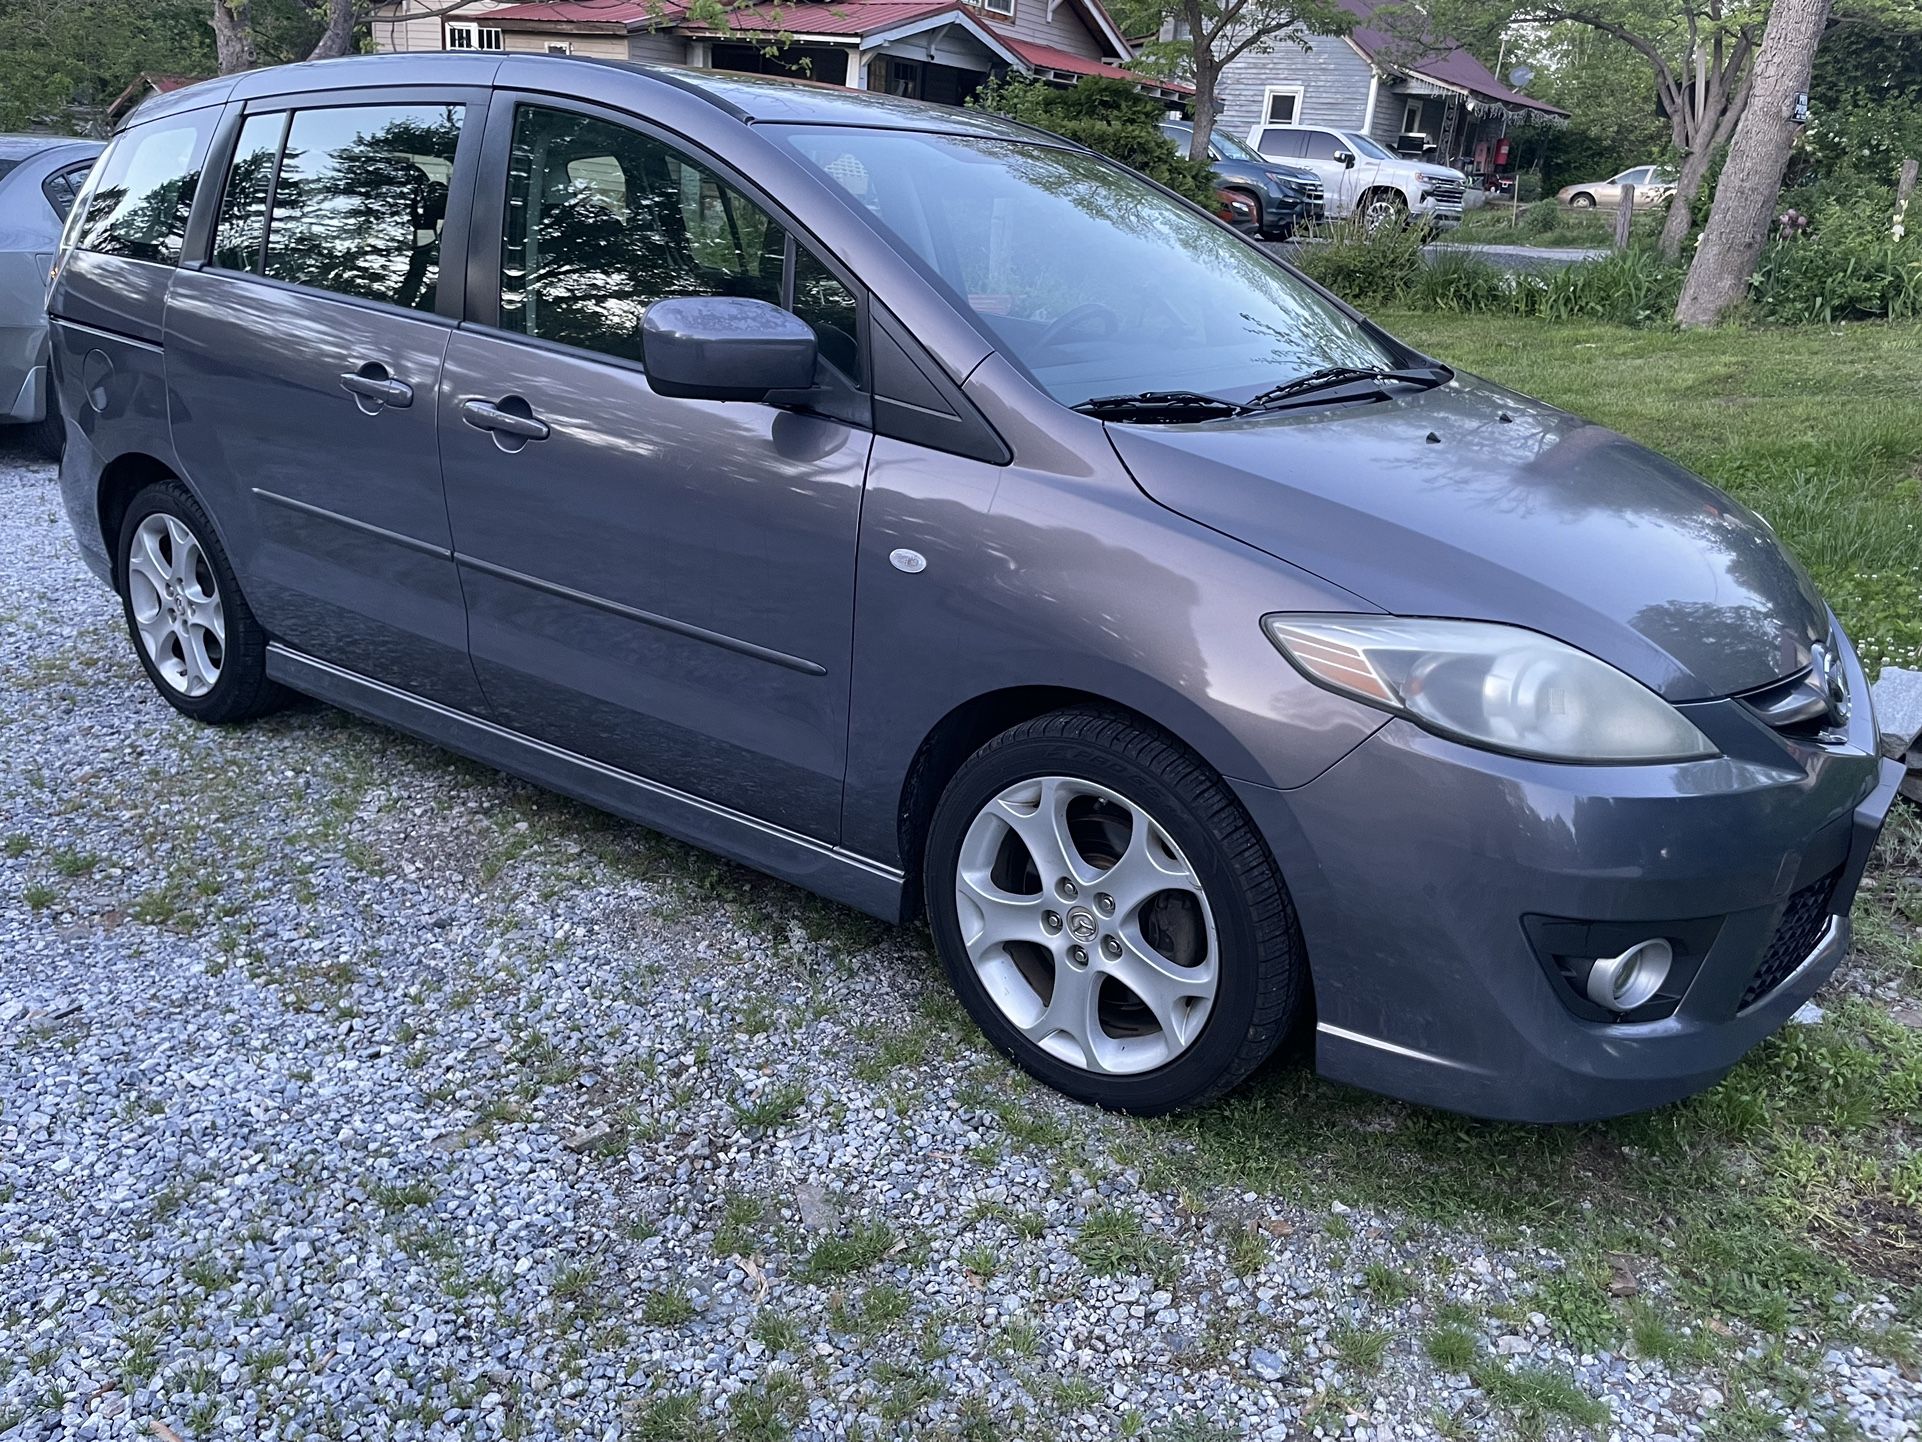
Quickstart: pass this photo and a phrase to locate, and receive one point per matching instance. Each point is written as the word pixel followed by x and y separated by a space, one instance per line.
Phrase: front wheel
pixel 1383 209
pixel 1108 915
pixel 1582 202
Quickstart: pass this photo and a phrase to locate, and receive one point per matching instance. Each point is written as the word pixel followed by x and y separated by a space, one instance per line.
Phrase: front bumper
pixel 1419 866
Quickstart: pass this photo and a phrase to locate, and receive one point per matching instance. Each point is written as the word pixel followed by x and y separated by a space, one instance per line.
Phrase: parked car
pixel 1362 180
pixel 1238 210
pixel 39 177
pixel 936 515
pixel 1284 197
pixel 1652 186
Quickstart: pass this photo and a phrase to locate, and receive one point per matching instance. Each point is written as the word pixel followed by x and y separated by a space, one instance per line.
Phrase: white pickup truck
pixel 1362 179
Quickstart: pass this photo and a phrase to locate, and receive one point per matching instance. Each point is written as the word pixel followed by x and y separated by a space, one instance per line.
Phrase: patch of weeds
pixel 1198 1429
pixel 398 1196
pixel 1536 1396
pixel 742 1216
pixel 981 1260
pixel 1338 1228
pixel 1577 1307
pixel 1112 1241
pixel 908 1390
pixel 1654 1337
pixel 16 845
pixel 1388 1286
pixel 1451 1348
pixel 1074 1393
pixel 671 1417
pixel 771 1107
pixel 1361 1349
pixel 1023 1337
pixel 1248 1251
pixel 38 895
pixel 669 1307
pixel 878 1309
pixel 777 1332
pixel 71 863
pixel 854 1251
pixel 208 1275
pixel 575 1282
pixel 768 1412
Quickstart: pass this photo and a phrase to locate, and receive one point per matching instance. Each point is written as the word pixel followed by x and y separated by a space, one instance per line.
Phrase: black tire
pixel 1261 967
pixel 1584 201
pixel 242 689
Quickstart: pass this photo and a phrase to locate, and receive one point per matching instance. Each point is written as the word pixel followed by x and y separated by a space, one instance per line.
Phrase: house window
pixel 1003 8
pixel 465 35
pixel 1281 104
pixel 1411 118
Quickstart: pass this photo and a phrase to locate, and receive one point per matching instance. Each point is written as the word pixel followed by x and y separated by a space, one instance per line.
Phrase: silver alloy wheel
pixel 1381 211
pixel 1087 925
pixel 176 604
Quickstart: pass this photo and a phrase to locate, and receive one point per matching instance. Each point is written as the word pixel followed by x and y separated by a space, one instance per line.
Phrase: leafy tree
pixel 1107 115
pixel 56 55
pixel 1607 89
pixel 1209 34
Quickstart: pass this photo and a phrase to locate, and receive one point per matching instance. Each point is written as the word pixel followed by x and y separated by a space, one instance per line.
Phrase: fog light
pixel 1622 983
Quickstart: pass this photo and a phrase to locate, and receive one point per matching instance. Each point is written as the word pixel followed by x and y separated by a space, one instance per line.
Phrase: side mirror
pixel 1346 157
pixel 725 348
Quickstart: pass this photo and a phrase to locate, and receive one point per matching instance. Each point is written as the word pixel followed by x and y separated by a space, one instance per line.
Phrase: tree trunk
pixel 338 37
pixel 1688 185
pixel 234 36
pixel 1738 225
pixel 1204 125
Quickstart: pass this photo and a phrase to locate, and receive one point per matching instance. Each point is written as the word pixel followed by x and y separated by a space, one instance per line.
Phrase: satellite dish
pixel 1520 76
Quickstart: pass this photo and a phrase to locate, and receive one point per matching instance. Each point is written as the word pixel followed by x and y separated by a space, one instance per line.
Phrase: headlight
pixel 1495 686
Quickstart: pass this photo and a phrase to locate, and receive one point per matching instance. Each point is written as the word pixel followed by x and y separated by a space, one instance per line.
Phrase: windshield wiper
pixel 1330 377
pixel 1166 408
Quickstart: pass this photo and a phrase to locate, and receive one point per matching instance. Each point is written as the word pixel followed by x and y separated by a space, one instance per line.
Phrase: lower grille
pixel 1803 921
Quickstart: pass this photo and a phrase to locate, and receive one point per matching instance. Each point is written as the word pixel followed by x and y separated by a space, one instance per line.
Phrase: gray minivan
pixel 932 513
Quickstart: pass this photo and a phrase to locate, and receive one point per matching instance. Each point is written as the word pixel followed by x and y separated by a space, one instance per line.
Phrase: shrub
pixel 1848 267
pixel 1363 267
pixel 1110 116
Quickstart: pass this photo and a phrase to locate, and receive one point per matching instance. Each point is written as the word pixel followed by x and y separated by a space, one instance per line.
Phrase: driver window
pixel 603 220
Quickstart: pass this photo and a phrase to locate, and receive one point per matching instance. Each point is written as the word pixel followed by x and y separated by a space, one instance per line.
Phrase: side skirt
pixel 827 870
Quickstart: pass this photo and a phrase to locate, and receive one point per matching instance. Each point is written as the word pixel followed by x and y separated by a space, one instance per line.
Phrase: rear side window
pixel 1280 144
pixel 1322 144
pixel 137 207
pixel 603 220
pixel 63 187
pixel 349 199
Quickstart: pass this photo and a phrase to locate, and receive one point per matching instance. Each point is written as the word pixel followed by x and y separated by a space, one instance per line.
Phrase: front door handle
pixel 372 387
pixel 486 416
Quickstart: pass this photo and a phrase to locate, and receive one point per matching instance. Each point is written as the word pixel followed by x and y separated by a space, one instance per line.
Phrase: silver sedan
pixel 40 177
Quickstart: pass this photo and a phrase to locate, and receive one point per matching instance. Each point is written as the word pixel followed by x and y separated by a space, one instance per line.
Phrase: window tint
pixel 243 203
pixel 1280 144
pixel 138 207
pixel 1321 144
pixel 603 220
pixel 360 201
pixel 63 187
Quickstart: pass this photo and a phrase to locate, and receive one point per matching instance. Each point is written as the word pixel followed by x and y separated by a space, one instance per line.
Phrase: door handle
pixel 486 416
pixel 372 383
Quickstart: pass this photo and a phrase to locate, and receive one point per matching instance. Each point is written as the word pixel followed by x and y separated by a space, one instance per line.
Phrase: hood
pixel 1440 172
pixel 1471 502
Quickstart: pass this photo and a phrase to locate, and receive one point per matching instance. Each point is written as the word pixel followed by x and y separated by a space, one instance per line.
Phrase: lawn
pixel 1740 1227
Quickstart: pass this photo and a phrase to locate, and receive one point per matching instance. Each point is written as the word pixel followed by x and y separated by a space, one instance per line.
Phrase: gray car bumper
pixel 1419 869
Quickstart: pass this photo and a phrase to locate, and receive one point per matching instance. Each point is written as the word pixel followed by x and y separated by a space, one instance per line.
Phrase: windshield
pixel 1231 147
pixel 1085 274
pixel 1366 146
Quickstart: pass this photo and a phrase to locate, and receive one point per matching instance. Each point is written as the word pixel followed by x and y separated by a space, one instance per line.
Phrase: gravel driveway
pixel 349 1090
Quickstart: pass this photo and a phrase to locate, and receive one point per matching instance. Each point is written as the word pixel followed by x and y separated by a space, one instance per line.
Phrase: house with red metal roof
pixel 1423 96
pixel 940 50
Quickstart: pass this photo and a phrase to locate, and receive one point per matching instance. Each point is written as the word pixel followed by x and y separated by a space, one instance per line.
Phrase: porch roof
pixel 1046 57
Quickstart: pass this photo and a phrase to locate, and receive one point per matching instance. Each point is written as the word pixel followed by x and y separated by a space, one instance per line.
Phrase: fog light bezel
pixel 1630 979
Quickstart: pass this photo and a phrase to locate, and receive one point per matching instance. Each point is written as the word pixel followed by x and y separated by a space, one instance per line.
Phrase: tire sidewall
pixel 1196 1070
pixel 173 500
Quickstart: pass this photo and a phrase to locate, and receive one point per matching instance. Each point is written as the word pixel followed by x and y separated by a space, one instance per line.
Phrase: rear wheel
pixel 1109 916
pixel 193 631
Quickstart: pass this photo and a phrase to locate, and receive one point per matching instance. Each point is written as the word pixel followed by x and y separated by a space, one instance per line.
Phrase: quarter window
pixel 360 200
pixel 138 206
pixel 63 187
pixel 603 220
pixel 242 230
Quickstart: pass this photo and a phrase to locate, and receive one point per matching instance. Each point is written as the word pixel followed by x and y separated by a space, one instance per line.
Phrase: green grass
pixel 1113 1242
pixel 842 1256
pixel 1815 427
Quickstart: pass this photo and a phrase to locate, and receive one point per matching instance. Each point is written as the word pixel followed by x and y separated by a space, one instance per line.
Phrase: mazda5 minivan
pixel 936 515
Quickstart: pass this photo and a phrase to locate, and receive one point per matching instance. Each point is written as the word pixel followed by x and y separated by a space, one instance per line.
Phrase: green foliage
pixel 1609 92
pixel 1109 116
pixel 1845 277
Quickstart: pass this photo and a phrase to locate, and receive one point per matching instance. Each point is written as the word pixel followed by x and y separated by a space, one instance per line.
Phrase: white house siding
pixel 395 27
pixel 601 47
pixel 1332 77
pixel 1067 31
pixel 656 48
